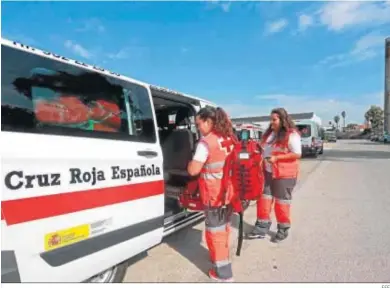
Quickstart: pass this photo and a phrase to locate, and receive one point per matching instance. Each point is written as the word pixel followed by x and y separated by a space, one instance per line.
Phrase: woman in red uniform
pixel 216 144
pixel 281 145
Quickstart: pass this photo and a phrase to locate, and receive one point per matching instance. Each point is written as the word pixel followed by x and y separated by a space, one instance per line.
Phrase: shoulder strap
pixel 228 170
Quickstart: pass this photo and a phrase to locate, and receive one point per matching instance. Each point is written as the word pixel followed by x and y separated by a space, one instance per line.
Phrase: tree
pixel 367 120
pixel 343 114
pixel 336 120
pixel 351 126
pixel 375 117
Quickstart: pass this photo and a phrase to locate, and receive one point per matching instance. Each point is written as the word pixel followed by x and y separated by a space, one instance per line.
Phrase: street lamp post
pixel 387 87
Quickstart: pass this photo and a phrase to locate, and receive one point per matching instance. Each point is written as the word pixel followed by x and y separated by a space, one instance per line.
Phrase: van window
pixel 41 95
pixel 305 130
pixel 237 133
pixel 172 118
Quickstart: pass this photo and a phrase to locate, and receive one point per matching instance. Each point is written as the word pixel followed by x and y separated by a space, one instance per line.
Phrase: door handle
pixel 147 154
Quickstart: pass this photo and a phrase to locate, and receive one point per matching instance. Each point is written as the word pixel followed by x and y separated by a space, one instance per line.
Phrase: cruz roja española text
pixel 17 179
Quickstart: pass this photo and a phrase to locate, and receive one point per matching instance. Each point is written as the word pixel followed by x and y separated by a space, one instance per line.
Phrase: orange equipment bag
pixel 190 198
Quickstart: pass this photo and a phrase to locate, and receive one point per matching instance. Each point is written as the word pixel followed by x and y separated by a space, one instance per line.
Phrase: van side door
pixel 319 137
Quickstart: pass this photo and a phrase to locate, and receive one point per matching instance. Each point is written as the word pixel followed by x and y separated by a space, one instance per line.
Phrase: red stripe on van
pixel 34 208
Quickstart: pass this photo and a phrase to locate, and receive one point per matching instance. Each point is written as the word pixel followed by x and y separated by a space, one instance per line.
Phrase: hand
pixel 272 159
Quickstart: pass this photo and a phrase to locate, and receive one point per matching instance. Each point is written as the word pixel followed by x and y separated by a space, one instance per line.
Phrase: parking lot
pixel 339 232
pixel 184 255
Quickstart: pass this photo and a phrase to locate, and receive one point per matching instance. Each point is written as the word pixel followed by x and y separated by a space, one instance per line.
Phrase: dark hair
pixel 286 125
pixel 222 124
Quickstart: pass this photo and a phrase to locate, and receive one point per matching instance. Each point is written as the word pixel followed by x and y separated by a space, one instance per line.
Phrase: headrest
pixel 183 117
pixel 163 120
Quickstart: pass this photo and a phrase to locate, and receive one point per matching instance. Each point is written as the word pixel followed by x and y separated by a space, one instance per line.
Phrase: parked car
pixel 374 137
pixel 330 136
pixel 386 138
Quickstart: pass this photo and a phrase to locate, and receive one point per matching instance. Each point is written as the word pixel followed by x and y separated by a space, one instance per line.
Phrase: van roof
pixel 305 122
pixel 251 125
pixel 294 116
pixel 166 90
pixel 51 55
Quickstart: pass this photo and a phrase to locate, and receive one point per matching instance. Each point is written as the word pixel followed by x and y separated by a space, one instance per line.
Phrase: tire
pixel 321 151
pixel 114 274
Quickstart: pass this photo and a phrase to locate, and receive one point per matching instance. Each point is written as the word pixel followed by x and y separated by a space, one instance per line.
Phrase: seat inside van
pixel 177 142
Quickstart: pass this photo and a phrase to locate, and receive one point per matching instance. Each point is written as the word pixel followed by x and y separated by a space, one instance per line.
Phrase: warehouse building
pixel 263 121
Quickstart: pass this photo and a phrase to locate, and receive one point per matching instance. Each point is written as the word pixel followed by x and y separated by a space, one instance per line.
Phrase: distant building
pixel 264 120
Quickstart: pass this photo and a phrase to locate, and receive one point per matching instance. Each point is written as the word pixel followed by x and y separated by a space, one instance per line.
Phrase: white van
pixel 312 136
pixel 91 167
pixel 255 130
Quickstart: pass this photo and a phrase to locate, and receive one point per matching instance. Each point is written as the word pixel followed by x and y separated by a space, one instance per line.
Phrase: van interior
pixel 178 136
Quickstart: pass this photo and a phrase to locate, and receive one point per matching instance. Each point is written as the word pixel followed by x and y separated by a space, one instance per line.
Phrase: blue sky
pixel 248 57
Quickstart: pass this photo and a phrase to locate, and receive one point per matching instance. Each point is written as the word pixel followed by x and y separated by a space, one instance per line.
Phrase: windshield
pixel 305 130
pixel 245 134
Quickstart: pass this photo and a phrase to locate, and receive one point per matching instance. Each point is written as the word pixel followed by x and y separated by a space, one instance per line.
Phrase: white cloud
pixel 92 24
pixel 133 51
pixel 121 54
pixel 78 49
pixel 366 47
pixel 334 60
pixel 325 108
pixel 305 21
pixel 341 15
pixel 276 26
pixel 224 5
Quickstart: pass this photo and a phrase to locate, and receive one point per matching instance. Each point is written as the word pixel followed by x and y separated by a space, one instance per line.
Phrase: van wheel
pixel 321 151
pixel 114 274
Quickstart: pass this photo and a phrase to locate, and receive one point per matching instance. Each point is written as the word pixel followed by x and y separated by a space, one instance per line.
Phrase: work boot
pixel 281 235
pixel 260 230
pixel 213 275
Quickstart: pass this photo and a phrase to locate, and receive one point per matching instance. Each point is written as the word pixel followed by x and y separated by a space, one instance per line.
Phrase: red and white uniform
pixel 280 180
pixel 213 150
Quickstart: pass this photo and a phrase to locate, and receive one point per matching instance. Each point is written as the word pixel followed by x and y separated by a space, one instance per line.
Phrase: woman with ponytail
pixel 281 145
pixel 215 146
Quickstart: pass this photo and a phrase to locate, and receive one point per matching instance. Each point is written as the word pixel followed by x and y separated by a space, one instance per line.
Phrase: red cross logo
pixel 226 145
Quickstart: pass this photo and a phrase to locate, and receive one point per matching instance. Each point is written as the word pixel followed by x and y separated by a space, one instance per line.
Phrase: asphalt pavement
pixel 340 230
